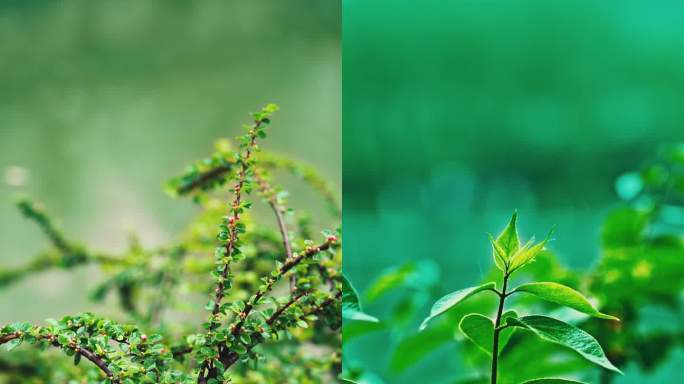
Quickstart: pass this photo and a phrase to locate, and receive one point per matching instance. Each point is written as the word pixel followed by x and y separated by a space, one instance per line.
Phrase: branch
pixel 270 195
pixel 233 357
pixel 52 339
pixel 204 178
pixel 235 207
pixel 267 160
pixel 289 264
pixel 282 309
pixel 182 350
pixel 308 174
pixel 66 253
pixel 268 192
pixel 243 157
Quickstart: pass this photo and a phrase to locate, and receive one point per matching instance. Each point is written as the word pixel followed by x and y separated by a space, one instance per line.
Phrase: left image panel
pixel 170 187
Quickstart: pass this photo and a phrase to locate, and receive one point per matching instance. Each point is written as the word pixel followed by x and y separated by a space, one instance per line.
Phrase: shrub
pixel 265 285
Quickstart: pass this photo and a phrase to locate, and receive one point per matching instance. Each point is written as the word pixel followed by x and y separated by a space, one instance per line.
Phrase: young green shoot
pixel 491 335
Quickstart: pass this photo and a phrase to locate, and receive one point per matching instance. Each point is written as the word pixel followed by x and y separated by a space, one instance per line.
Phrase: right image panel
pixel 513 192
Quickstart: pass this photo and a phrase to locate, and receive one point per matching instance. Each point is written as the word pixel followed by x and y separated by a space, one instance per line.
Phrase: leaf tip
pixel 616 369
pixel 605 316
pixel 423 325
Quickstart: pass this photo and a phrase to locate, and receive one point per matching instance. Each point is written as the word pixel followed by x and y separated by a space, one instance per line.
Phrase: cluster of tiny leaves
pixel 123 352
pixel 214 171
pixel 253 312
pixel 229 251
pixel 207 174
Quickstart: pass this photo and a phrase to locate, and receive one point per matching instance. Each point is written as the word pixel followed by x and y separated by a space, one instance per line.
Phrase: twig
pixel 289 264
pixel 268 192
pixel 204 178
pixel 232 357
pixel 230 244
pixel 88 354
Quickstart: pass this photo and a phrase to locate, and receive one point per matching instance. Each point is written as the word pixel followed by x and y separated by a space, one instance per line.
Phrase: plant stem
pixel 52 340
pixel 497 330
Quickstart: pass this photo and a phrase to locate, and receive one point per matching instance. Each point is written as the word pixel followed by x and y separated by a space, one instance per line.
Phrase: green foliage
pixel 351 305
pixel 123 352
pixel 414 281
pixel 642 264
pixel 640 270
pixel 480 330
pixel 214 171
pixel 492 336
pixel 565 334
pixel 352 312
pixel 560 294
pixel 506 244
pixel 449 301
pixel 273 293
pixel 509 255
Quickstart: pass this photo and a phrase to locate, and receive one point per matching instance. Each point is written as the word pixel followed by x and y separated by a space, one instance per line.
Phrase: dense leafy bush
pixel 274 304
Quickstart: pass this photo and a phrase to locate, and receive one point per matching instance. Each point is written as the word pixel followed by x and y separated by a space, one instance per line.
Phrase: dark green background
pixel 457 112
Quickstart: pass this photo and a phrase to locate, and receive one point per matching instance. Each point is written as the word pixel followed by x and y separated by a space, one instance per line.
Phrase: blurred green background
pixel 102 101
pixel 455 113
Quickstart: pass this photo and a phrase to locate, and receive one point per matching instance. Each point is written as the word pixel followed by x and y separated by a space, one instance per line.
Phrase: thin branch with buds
pixel 88 354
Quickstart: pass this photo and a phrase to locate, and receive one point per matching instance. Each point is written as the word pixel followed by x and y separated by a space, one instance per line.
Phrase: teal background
pixel 457 112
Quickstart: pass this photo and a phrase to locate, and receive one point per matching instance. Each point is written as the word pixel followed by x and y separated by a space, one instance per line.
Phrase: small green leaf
pixel 527 253
pixel 350 298
pixel 480 330
pixel 351 306
pixel 246 339
pixel 566 335
pixel 52 322
pixel 508 240
pixel 271 108
pixel 560 294
pixel 552 380
pixel 447 302
pixel 498 254
pixel 389 281
pixel 210 305
pixel 359 316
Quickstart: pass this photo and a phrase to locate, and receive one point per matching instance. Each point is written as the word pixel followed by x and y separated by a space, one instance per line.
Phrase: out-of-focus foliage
pixel 638 278
pixel 274 311
pixel 641 272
